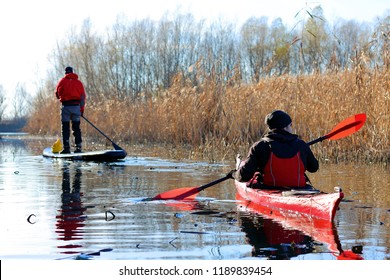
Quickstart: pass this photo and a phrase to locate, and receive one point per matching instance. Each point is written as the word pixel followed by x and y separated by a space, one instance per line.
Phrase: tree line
pixel 20 104
pixel 140 58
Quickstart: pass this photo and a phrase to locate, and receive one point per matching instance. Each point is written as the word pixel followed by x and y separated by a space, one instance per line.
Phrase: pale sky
pixel 30 28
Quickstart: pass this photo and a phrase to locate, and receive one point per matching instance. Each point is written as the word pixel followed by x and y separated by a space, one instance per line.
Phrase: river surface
pixel 59 209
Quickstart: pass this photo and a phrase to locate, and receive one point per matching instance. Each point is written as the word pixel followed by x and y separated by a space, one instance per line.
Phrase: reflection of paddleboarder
pixel 70 218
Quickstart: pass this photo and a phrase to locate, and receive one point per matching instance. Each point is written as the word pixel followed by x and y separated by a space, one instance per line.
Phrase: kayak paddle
pixel 343 129
pixel 116 147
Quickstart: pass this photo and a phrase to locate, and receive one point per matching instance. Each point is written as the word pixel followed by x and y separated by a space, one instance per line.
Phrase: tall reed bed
pixel 216 122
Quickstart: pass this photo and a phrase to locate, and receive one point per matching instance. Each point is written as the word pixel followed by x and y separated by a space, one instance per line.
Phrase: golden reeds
pixel 215 122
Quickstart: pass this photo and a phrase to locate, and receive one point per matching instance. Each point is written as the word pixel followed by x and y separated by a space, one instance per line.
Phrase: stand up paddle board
pixel 104 155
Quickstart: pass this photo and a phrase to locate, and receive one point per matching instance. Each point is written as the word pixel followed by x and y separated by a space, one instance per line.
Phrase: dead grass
pixel 216 122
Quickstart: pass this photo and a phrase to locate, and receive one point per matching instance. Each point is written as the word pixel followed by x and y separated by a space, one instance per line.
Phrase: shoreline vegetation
pixel 180 84
pixel 15 125
pixel 204 125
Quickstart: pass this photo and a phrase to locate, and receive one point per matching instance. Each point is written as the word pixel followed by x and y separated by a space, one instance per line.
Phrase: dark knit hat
pixel 68 70
pixel 277 119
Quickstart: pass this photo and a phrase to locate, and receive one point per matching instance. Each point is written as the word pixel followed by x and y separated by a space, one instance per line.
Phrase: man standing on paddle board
pixel 280 157
pixel 70 91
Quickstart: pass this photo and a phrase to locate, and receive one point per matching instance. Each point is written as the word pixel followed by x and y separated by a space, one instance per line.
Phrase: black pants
pixel 71 113
pixel 66 134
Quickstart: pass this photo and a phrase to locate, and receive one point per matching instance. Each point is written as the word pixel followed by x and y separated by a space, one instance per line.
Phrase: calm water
pixel 56 209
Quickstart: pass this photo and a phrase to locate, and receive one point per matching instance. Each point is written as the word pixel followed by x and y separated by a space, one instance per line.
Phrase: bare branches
pixel 137 59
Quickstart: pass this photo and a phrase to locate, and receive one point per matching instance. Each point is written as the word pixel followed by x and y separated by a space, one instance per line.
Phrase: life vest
pixel 284 172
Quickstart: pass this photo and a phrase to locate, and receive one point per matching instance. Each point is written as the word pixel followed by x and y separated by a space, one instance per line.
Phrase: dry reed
pixel 215 122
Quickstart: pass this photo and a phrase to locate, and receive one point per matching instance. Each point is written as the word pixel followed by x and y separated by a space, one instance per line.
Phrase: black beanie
pixel 68 70
pixel 277 119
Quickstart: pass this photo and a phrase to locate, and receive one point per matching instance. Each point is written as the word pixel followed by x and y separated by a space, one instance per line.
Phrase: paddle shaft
pixel 201 188
pixel 115 145
pixel 319 139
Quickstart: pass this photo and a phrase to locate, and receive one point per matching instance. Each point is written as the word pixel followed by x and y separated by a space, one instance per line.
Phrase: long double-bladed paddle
pixel 116 147
pixel 341 130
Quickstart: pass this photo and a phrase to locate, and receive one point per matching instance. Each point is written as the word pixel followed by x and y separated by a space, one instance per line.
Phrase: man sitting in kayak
pixel 279 159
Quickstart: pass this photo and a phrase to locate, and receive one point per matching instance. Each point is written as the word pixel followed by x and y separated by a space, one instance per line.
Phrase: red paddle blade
pixel 347 127
pixel 177 194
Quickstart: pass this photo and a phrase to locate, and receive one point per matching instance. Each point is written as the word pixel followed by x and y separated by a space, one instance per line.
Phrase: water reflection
pixel 71 218
pixel 282 235
pixel 269 239
pixel 49 208
pixel 11 148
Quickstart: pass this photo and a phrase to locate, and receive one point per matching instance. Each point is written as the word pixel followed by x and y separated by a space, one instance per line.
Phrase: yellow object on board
pixel 57 146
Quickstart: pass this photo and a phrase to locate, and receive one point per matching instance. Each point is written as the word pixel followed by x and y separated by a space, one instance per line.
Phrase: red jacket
pixel 71 90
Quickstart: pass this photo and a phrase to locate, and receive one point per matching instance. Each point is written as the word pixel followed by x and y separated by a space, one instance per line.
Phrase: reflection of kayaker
pixel 280 228
pixel 70 218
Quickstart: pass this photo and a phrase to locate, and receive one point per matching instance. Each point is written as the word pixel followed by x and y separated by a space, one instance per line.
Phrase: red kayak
pixel 323 231
pixel 313 204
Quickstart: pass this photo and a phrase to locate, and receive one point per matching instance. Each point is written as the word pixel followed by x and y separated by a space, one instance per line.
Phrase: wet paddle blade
pixel 347 127
pixel 178 194
pixel 116 147
pixel 187 193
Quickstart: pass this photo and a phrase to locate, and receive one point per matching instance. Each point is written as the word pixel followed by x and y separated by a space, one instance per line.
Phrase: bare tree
pixel 315 41
pixel 254 40
pixel 280 44
pixel 21 102
pixel 3 105
pixel 381 40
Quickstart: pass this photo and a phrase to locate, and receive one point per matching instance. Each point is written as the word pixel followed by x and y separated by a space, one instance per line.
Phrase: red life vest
pixel 284 172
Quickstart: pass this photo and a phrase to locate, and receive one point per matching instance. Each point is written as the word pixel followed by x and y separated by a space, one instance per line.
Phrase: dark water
pixel 55 209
